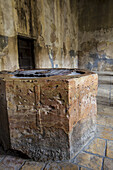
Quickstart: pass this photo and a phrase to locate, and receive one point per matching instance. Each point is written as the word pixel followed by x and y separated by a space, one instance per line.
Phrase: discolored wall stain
pixel 3 42
pixel 95 43
pixel 72 53
pixel 97 59
pixel 95 55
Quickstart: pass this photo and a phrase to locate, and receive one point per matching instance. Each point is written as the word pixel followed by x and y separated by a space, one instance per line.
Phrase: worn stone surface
pixel 103 91
pixel 105 120
pixel 109 151
pixel 10 162
pixel 104 79
pixel 81 168
pixel 108 164
pixel 62 166
pixel 105 132
pixel 1 156
pixel 47 119
pixel 83 131
pixel 33 166
pixel 97 146
pixel 89 160
pixel 103 109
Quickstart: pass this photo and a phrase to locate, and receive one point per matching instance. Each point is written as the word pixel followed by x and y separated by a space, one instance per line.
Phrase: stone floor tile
pixel 62 166
pixel 33 166
pixel 68 166
pixel 105 120
pixel 1 157
pixel 97 146
pixel 109 152
pixel 81 168
pixel 104 132
pixel 89 160
pixel 10 163
pixel 108 164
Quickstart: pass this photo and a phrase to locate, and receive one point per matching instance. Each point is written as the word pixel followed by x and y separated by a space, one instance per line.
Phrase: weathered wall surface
pixel 52 24
pixel 95 22
pixel 57 34
pixel 62 30
pixel 8 41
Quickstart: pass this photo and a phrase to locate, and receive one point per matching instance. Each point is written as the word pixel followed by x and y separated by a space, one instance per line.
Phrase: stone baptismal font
pixel 48 113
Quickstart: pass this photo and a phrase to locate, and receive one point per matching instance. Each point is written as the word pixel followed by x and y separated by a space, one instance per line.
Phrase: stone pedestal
pixel 48 118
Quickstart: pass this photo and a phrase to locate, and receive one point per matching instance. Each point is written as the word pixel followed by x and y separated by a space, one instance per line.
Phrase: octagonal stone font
pixel 48 113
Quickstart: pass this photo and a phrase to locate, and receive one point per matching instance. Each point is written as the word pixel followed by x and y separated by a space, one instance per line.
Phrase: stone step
pixel 105 109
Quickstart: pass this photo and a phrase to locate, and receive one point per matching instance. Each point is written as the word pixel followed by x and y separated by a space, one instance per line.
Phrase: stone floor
pixel 97 154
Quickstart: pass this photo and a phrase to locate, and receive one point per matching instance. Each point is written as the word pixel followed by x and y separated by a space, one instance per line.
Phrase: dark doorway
pixel 26 53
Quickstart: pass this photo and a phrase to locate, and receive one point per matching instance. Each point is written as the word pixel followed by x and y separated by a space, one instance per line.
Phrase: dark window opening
pixel 26 53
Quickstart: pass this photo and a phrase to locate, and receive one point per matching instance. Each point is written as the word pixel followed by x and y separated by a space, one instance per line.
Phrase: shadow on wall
pixel 4 124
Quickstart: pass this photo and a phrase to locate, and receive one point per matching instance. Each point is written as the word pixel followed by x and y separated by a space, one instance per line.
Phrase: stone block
pixel 97 146
pixel 103 79
pixel 89 160
pixel 104 109
pixel 82 168
pixel 33 166
pixel 1 157
pixel 62 166
pixel 10 162
pixel 109 152
pixel 50 117
pixel 108 164
pixel 103 91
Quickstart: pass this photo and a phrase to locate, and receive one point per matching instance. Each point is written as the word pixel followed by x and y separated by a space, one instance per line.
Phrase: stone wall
pixel 95 34
pixel 51 23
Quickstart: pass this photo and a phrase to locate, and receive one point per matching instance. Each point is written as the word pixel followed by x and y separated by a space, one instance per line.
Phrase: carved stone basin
pixel 48 113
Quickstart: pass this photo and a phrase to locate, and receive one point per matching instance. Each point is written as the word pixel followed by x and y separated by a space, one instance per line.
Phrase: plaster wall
pixel 51 23
pixel 95 36
pixel 8 41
